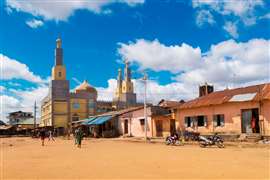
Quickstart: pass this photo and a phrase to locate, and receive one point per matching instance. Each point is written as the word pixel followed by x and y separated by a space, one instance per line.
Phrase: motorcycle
pixel 213 140
pixel 172 140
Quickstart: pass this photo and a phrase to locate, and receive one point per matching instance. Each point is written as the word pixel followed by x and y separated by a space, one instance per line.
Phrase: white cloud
pixel 204 17
pixel 13 69
pixel 231 28
pixel 155 91
pixel 159 57
pixel 62 10
pixel 242 10
pixel 227 63
pixel 34 23
pixel 2 88
pixel 266 16
pixel 18 99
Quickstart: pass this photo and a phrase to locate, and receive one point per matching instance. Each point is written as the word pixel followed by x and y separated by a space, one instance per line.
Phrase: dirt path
pixel 104 159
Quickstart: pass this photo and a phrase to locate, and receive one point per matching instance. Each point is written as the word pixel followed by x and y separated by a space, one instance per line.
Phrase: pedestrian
pixel 253 125
pixel 42 135
pixel 79 137
pixel 75 134
pixel 50 136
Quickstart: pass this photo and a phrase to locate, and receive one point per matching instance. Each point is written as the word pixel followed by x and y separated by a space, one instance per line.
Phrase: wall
pixel 165 120
pixel 232 112
pixel 82 111
pixel 46 114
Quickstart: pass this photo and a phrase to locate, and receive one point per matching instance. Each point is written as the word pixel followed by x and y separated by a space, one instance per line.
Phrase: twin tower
pixel 124 94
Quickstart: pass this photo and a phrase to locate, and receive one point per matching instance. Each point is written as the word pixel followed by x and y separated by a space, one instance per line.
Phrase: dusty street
pixel 25 158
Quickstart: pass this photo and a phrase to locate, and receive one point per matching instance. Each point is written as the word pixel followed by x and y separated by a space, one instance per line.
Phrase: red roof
pixel 259 92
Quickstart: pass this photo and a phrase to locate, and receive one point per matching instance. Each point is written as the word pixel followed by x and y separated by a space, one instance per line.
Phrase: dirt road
pixel 25 158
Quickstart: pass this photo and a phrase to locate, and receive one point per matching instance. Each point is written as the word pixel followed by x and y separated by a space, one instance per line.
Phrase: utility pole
pixel 145 108
pixel 35 117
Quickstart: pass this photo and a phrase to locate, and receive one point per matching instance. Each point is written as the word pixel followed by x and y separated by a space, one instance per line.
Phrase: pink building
pixel 232 111
pixel 159 122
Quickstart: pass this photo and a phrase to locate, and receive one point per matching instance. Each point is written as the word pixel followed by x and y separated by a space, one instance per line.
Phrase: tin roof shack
pixel 103 125
pixel 231 111
pixel 132 123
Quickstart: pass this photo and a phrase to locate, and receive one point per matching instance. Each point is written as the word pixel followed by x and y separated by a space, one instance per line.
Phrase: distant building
pixel 232 111
pixel 61 107
pixel 22 120
pixel 15 118
pixel 124 95
pixel 205 89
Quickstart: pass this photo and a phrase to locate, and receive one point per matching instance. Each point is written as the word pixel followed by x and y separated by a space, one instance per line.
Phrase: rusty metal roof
pixel 261 92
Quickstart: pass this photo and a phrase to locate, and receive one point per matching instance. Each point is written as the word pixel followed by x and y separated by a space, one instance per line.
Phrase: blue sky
pixel 179 43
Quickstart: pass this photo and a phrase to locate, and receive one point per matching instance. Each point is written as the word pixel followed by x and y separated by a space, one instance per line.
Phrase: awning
pixel 88 121
pixel 100 120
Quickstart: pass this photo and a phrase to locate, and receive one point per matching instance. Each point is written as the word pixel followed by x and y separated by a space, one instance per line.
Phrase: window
pixel 218 120
pixel 75 118
pixel 59 74
pixel 142 122
pixel 188 122
pixel 76 105
pixel 200 120
pixel 91 104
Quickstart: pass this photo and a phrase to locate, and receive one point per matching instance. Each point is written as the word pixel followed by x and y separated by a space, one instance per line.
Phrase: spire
pixel 127 71
pixel 58 52
pixel 119 77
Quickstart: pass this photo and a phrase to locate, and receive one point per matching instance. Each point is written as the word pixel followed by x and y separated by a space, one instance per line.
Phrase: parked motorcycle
pixel 173 140
pixel 210 141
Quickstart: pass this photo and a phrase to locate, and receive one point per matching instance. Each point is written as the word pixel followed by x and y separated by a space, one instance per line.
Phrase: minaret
pixel 127 72
pixel 119 84
pixel 59 70
pixel 127 86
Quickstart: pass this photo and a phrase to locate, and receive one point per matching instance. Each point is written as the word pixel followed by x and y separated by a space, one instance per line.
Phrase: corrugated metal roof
pixel 243 97
pixel 261 92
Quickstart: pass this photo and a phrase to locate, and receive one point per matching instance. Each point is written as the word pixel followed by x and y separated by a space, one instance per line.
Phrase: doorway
pixel 172 126
pixel 126 126
pixel 159 128
pixel 250 121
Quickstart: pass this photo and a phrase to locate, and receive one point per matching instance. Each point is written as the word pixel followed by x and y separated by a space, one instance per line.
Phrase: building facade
pixel 232 111
pixel 159 122
pixel 60 107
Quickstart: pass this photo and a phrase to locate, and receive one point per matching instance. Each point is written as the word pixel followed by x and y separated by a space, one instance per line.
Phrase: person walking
pixel 42 135
pixel 79 137
pixel 75 134
pixel 51 135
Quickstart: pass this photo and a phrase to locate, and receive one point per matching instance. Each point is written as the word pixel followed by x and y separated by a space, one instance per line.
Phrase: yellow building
pixel 124 94
pixel 61 107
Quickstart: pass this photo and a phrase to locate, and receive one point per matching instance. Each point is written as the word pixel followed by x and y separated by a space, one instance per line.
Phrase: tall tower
pixel 59 70
pixel 124 95
pixel 127 86
pixel 118 91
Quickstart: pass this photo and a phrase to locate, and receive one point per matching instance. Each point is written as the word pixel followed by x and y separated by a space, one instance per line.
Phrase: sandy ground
pixel 25 158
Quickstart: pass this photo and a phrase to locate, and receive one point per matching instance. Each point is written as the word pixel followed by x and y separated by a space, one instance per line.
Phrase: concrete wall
pixel 232 112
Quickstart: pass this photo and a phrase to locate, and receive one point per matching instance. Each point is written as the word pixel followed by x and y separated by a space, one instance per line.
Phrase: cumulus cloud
pixel 62 10
pixel 159 57
pixel 204 17
pixel 243 10
pixel 155 91
pixel 231 28
pixel 13 69
pixel 34 23
pixel 227 63
pixel 22 99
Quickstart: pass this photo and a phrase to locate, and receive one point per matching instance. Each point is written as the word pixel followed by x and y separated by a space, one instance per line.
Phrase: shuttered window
pixel 218 120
